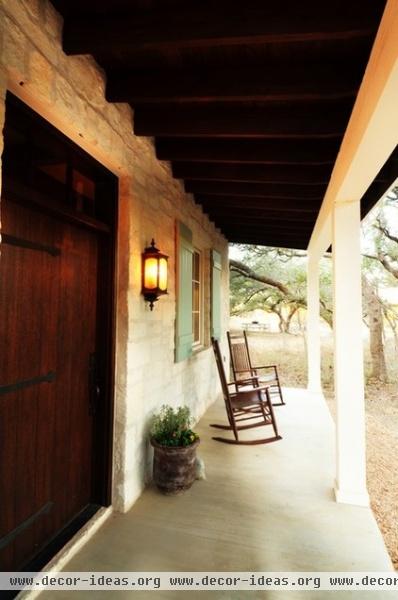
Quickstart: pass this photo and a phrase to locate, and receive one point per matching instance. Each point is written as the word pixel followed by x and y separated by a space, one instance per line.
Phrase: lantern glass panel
pixel 151 273
pixel 163 274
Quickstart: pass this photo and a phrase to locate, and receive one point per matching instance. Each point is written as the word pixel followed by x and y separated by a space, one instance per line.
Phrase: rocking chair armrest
pixel 260 388
pixel 238 382
pixel 266 367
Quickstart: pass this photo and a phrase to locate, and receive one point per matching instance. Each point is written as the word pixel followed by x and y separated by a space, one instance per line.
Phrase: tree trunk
pixel 374 312
pixel 282 323
pixel 292 312
pixel 279 312
pixel 302 329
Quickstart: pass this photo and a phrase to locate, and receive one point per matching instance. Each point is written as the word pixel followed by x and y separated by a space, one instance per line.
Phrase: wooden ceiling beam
pixel 241 188
pixel 265 230
pixel 268 230
pixel 270 203
pixel 308 175
pixel 77 9
pixel 278 83
pixel 271 152
pixel 276 236
pixel 258 216
pixel 282 226
pixel 258 240
pixel 304 121
pixel 204 25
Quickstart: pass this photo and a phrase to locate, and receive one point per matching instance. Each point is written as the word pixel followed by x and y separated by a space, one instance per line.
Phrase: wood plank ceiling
pixel 249 100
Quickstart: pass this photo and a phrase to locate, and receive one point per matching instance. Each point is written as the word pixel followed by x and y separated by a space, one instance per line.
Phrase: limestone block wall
pixel 69 92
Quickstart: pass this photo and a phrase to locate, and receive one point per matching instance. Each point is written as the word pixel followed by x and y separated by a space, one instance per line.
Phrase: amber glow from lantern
pixel 151 273
pixel 163 274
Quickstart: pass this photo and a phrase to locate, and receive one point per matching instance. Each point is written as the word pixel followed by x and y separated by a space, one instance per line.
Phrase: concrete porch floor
pixel 261 508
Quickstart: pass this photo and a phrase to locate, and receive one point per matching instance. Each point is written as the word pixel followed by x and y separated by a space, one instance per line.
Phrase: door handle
pixel 94 384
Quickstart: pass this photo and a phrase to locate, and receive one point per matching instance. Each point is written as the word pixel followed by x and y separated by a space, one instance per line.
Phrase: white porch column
pixel 348 356
pixel 313 329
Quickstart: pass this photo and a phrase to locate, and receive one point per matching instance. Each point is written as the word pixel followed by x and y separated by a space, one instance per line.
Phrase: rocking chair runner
pixel 244 405
pixel 244 372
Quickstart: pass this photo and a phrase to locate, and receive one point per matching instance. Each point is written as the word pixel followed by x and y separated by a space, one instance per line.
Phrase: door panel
pixel 76 341
pixel 48 291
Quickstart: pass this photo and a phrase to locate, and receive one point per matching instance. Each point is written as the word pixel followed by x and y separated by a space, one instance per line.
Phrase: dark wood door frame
pixel 106 320
pixel 19 191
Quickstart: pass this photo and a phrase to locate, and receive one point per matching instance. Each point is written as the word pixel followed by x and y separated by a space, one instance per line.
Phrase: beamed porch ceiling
pixel 248 100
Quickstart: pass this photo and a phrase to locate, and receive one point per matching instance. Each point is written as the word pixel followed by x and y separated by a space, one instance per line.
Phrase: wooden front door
pixel 48 389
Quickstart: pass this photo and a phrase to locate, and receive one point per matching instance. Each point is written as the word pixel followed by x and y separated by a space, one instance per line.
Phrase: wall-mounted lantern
pixel 154 274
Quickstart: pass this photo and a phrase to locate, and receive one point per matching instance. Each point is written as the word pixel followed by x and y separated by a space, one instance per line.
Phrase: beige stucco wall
pixel 69 92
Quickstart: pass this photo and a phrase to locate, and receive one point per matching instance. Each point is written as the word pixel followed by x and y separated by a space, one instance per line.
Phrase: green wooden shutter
pixel 215 294
pixel 184 328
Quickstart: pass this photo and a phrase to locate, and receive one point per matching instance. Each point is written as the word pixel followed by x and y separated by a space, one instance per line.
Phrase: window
pixel 195 319
pixel 53 170
pixel 197 298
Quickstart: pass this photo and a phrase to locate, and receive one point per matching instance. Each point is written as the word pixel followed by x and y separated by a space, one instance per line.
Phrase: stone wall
pixel 69 92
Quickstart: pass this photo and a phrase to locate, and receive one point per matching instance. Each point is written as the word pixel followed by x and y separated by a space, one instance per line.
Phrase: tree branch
pixel 250 296
pixel 383 260
pixel 239 267
pixel 388 265
pixel 385 231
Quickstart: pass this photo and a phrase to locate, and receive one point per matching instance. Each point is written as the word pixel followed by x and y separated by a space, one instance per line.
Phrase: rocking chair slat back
pixel 240 357
pixel 243 369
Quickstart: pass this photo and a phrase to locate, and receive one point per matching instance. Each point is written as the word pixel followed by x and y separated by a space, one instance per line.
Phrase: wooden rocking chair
pixel 244 405
pixel 243 370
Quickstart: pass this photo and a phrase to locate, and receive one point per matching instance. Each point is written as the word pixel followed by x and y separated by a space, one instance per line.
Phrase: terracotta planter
pixel 174 468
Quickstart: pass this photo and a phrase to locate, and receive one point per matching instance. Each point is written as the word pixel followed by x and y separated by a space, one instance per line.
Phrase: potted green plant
pixel 174 444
